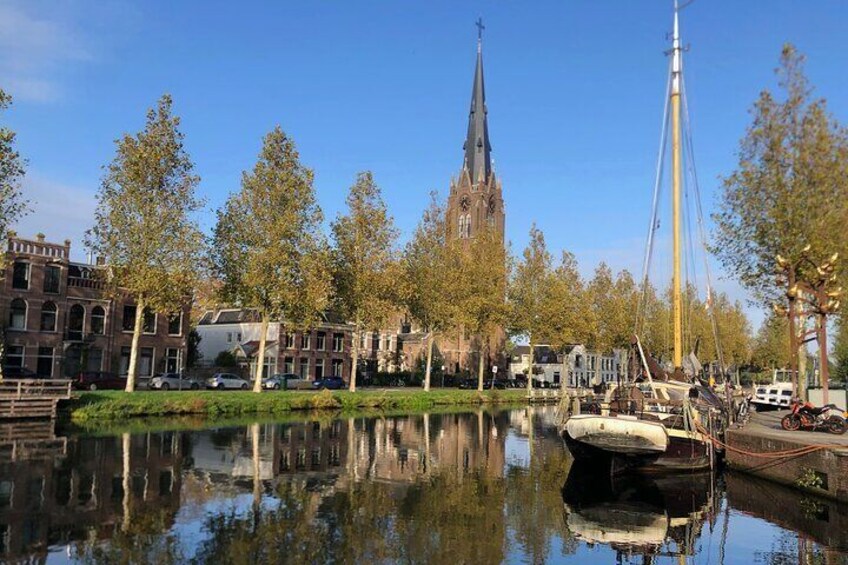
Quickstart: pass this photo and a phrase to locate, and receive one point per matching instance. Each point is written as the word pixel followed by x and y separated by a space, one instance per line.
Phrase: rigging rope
pixel 654 225
pixel 702 233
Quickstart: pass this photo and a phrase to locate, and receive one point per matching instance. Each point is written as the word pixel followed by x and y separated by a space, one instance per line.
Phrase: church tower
pixel 475 199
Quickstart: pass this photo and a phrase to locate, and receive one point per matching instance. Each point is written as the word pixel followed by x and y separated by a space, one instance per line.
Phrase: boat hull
pixel 618 444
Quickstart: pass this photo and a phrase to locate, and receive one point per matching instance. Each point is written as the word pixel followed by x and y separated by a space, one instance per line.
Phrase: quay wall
pixel 823 472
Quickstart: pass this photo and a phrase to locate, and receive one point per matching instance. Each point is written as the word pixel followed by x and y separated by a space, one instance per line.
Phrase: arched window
pixel 48 317
pixel 98 320
pixel 17 314
pixel 76 321
pixel 468 226
pixel 461 226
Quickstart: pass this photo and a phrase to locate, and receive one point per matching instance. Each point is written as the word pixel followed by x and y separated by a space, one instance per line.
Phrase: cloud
pixel 34 47
pixel 59 211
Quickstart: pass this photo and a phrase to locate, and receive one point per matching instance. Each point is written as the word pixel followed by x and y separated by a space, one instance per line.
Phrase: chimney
pixel 39 237
pixel 100 261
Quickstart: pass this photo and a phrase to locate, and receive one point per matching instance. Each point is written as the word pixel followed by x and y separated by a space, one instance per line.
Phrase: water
pixel 474 487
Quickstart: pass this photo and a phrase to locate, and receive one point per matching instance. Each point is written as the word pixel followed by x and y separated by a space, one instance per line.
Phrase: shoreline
pixel 88 408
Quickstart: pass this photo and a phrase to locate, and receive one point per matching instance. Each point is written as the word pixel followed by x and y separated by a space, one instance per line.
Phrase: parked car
pixel 284 381
pixel 332 383
pixel 222 381
pixel 468 383
pixel 494 383
pixel 172 381
pixel 99 380
pixel 18 373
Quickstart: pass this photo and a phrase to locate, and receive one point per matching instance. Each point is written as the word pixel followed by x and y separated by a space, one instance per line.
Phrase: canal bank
pixel 815 462
pixel 114 405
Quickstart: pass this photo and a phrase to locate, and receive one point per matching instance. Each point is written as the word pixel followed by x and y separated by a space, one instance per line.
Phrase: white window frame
pixel 180 332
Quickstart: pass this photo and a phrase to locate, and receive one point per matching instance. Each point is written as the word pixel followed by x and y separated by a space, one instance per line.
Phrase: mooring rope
pixel 786 454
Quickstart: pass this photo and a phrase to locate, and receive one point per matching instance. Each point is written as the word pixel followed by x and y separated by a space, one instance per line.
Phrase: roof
pixel 478 158
pixel 251 348
pixel 248 315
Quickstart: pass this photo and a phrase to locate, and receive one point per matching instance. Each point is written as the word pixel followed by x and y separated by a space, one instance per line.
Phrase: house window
pixel 175 324
pixel 48 317
pixel 124 366
pixel 377 342
pixel 128 323
pixel 145 363
pixel 44 368
pixel 338 343
pixel 578 361
pixel 362 338
pixel 304 340
pixel 76 322
pixel 148 325
pixel 288 366
pixel 338 367
pixel 320 339
pixel 52 274
pixel 98 320
pixel 319 368
pixel 304 368
pixel 17 314
pixel 15 356
pixel 267 368
pixel 94 362
pixel 172 360
pixel 289 341
pixel 20 276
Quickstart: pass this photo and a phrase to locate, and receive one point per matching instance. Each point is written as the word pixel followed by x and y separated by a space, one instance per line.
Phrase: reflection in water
pixel 480 487
pixel 644 515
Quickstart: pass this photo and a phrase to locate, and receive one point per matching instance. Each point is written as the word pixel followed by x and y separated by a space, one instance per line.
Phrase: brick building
pixel 58 320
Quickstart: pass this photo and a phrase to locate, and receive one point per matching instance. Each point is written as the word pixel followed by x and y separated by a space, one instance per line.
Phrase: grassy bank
pixel 112 405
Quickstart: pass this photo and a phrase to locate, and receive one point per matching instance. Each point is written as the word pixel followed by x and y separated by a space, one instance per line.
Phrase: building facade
pixel 324 350
pixel 58 319
pixel 572 366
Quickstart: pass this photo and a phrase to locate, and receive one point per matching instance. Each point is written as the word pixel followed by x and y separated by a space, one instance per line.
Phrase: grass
pixel 93 407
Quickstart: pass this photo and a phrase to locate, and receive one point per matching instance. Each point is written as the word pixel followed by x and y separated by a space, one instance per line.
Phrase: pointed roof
pixel 478 159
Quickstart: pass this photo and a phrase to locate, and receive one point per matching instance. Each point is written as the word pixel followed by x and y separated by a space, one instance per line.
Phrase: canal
pixel 450 487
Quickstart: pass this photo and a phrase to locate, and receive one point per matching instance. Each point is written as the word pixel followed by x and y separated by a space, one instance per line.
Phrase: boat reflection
pixel 639 514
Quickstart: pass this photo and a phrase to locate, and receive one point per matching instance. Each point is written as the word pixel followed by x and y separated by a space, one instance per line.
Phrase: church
pixel 475 202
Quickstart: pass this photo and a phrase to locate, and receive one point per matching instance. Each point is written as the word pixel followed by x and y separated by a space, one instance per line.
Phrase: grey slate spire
pixel 478 159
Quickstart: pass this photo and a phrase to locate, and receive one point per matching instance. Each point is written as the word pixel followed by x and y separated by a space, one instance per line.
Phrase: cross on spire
pixel 480 28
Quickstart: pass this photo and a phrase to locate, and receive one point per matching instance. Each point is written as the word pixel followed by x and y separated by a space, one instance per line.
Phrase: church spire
pixel 478 158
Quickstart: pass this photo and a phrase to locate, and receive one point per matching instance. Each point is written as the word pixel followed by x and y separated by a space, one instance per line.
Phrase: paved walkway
pixel 767 424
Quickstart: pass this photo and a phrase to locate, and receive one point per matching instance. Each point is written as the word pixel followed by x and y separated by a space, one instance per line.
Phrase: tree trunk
pixel 530 370
pixel 257 468
pixel 355 360
pixel 126 519
pixel 430 339
pixel 139 322
pixel 480 366
pixel 260 355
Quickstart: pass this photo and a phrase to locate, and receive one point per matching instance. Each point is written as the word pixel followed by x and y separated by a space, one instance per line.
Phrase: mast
pixel 676 190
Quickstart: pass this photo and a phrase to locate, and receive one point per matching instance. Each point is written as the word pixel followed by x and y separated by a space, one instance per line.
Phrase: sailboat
pixel 660 419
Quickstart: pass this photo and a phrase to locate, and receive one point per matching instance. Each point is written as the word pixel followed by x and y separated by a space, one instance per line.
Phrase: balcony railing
pixel 80 282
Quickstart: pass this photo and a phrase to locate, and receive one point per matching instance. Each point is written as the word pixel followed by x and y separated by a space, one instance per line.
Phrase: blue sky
pixel 575 97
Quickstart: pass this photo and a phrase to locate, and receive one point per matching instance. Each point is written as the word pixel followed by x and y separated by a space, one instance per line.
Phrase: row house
pixel 572 366
pixel 59 320
pixel 321 351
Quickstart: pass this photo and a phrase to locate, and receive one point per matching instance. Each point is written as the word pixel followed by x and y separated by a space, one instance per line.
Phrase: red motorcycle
pixel 804 415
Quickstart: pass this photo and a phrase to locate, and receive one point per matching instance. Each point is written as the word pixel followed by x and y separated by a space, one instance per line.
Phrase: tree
pixel 771 345
pixel 529 295
pixel 790 188
pixel 267 247
pixel 144 227
pixel 614 303
pixel 482 289
pixel 567 305
pixel 12 203
pixel 840 349
pixel 193 354
pixel 430 263
pixel 364 266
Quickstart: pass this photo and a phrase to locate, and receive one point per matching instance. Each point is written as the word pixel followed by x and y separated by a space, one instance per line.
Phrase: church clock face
pixel 464 203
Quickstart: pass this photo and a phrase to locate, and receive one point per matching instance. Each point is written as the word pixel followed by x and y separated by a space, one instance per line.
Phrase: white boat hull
pixel 622 435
